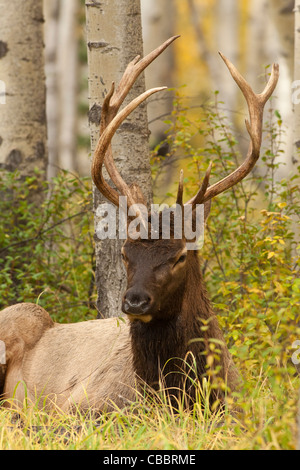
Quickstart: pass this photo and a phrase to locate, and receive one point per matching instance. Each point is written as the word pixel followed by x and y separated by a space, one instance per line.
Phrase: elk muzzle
pixel 137 303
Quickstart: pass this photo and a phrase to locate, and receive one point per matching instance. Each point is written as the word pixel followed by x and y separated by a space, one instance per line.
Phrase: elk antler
pixel 255 103
pixel 111 120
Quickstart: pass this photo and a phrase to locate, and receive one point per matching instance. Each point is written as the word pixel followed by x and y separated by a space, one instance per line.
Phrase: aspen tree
pixel 114 38
pixel 23 135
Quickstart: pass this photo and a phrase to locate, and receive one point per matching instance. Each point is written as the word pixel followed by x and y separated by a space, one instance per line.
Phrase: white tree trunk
pixel 67 59
pixel 283 19
pixel 114 38
pixel 23 134
pixel 51 12
pixel 158 18
pixel 227 33
pixel 266 45
pixel 158 21
pixel 61 47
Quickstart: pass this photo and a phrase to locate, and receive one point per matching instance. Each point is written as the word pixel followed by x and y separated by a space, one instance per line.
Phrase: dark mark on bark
pixel 40 150
pixel 39 19
pixel 3 49
pixel 94 114
pixel 287 9
pixel 94 4
pixel 97 44
pixel 133 128
pixel 13 160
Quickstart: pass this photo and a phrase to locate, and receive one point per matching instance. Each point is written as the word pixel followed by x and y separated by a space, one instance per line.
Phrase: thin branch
pixel 41 232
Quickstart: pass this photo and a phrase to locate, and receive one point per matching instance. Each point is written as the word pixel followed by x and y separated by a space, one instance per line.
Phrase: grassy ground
pixel 267 421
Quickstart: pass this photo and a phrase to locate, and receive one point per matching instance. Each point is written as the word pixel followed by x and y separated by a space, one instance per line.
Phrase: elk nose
pixel 136 302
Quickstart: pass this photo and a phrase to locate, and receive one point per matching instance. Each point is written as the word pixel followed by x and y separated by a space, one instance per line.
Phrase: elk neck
pixel 169 336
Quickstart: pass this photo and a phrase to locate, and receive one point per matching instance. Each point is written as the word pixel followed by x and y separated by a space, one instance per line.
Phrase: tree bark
pixel 268 42
pixel 23 133
pixel 114 38
pixel 67 60
pixel 51 12
pixel 158 21
pixel 227 19
pixel 282 16
pixel 61 47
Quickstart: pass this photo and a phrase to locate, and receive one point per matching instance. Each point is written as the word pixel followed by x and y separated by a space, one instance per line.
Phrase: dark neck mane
pixel 162 345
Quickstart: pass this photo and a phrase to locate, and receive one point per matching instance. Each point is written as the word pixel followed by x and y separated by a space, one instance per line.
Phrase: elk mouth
pixel 145 318
pixel 137 307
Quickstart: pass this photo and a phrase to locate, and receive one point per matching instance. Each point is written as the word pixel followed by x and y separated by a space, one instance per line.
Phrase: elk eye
pixel 180 260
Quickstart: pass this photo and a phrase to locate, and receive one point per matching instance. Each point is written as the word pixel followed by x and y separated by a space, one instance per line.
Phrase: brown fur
pixel 183 323
pixel 97 363
pixel 87 363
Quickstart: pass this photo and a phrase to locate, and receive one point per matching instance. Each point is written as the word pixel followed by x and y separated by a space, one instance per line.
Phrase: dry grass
pixel 266 421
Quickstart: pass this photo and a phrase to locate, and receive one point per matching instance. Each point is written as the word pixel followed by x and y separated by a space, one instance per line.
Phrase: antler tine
pixel 110 193
pixel 134 69
pixel 110 108
pixel 255 103
pixel 199 198
pixel 102 147
pixel 180 189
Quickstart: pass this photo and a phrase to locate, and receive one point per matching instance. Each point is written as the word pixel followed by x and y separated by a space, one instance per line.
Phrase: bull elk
pixel 169 320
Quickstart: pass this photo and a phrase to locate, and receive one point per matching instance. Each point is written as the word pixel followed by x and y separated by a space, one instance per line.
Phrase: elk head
pixel 157 268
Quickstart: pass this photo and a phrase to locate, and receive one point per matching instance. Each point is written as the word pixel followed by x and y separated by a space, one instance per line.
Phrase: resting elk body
pixel 169 321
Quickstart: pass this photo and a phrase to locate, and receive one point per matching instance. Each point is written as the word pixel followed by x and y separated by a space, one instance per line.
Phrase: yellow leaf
pixel 210 360
pixel 279 287
pixel 271 254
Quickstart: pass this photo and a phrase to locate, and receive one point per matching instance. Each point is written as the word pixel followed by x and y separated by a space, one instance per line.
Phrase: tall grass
pixel 265 422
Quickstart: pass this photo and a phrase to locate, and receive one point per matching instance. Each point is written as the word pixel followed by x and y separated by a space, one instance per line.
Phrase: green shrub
pixel 46 248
